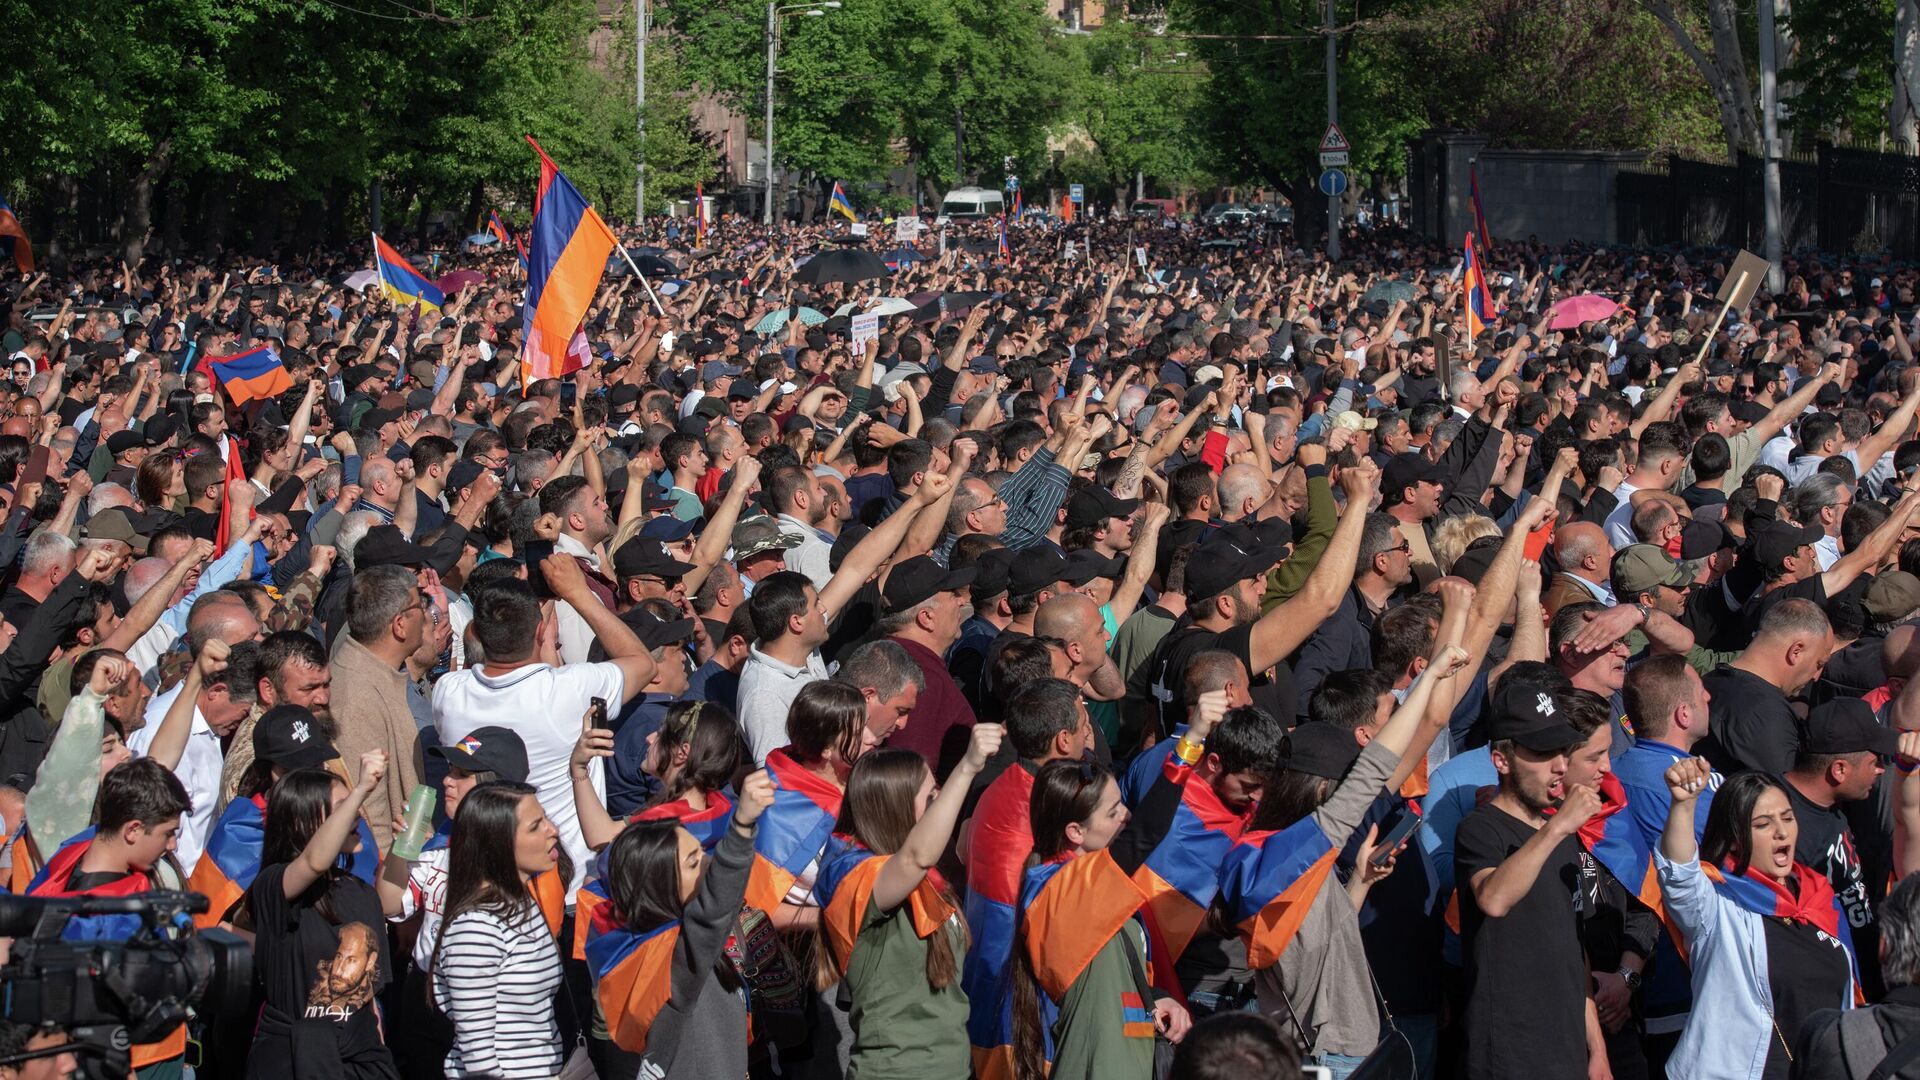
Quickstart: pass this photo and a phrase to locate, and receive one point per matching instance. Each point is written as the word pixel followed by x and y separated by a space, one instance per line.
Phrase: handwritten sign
pixel 864 328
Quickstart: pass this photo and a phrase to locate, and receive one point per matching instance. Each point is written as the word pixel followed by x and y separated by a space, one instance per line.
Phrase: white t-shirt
pixel 426 893
pixel 544 706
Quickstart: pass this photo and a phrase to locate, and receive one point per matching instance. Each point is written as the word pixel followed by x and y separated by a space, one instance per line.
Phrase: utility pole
pixel 1770 142
pixel 1333 118
pixel 773 45
pixel 640 108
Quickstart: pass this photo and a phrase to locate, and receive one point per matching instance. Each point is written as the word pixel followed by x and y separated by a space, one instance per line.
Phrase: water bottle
pixel 419 822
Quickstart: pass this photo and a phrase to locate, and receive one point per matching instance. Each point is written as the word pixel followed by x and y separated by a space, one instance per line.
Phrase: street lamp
pixel 774 11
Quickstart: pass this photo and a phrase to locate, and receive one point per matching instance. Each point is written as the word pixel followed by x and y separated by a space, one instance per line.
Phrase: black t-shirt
pixel 203 524
pixel 1715 619
pixel 1811 588
pixel 1272 690
pixel 321 974
pixel 1826 845
pixel 1750 724
pixel 1526 975
pixel 1806 972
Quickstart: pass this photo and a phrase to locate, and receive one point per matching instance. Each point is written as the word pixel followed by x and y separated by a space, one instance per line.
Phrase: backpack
pixel 1864 1050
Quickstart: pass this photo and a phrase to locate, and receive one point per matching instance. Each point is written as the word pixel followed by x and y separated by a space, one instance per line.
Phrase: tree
pixel 1137 104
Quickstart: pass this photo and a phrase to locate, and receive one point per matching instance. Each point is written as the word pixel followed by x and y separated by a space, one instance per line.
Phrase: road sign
pixel 1334 159
pixel 1334 140
pixel 1077 192
pixel 1333 182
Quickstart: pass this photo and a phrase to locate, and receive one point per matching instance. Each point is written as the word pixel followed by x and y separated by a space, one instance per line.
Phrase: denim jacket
pixel 1731 1028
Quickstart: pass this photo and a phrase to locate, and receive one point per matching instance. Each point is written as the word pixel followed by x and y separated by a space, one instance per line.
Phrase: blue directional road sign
pixel 1333 182
pixel 1077 193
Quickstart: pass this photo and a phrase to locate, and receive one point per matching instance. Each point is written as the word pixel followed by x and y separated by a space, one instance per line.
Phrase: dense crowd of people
pixel 1150 650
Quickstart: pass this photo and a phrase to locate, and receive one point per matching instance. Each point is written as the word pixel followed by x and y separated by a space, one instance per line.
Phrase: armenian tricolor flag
pixel 254 375
pixel 699 215
pixel 1269 883
pixel 707 826
pixel 499 229
pixel 839 203
pixel 1479 300
pixel 845 884
pixel 52 881
pixel 1073 907
pixel 404 285
pixel 793 831
pixel 1005 251
pixel 1813 902
pixel 564 264
pixel 1182 876
pixel 232 858
pixel 996 859
pixel 1479 214
pixel 633 978
pixel 1018 204
pixel 13 239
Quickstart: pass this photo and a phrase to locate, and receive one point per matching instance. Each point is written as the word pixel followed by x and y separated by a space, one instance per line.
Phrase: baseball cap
pixel 623 395
pixel 1094 504
pixel 1212 575
pixel 992 571
pixel 761 534
pixel 1473 563
pixel 1086 564
pixel 667 529
pixel 1404 471
pixel 375 419
pixel 1320 749
pixel 122 441
pixel 919 579
pixel 642 556
pixel 655 632
pixel 463 474
pixel 1847 726
pixel 1528 715
pixel 1702 537
pixel 1035 569
pixel 113 524
pixel 1639 568
pixel 1893 596
pixel 489 749
pixel 289 736
pixel 1779 542
pixel 716 369
pixel 385 546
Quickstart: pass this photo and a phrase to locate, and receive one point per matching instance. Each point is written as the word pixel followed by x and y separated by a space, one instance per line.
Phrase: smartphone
pixel 1395 837
pixel 537 552
pixel 1537 541
pixel 35 471
pixel 598 710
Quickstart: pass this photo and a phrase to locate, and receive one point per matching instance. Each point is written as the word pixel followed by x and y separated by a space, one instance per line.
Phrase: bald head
pixel 223 615
pixel 1066 616
pixel 1583 549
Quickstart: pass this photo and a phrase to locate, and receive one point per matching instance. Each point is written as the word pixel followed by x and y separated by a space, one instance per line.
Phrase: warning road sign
pixel 1334 140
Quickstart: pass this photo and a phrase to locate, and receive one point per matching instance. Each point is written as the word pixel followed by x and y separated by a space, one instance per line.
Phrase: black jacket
pixel 1824 1054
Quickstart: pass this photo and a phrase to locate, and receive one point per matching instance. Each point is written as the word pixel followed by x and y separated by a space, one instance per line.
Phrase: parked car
pixel 972 202
pixel 1275 213
pixel 1227 214
pixel 1154 208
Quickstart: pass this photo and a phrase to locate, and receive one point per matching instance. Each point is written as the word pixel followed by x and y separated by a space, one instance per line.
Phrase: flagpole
pixel 378 273
pixel 662 312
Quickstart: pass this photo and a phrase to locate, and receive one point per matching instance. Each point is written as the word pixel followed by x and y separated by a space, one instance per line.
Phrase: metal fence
pixel 1833 198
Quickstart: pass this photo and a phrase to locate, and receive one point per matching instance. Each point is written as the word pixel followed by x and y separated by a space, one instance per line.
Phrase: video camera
pixel 111 995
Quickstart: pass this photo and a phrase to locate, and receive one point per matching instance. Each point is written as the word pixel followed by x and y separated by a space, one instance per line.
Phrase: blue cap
pixel 668 529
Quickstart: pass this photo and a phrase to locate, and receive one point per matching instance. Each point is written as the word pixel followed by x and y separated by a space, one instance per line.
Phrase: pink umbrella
pixel 1568 314
pixel 455 280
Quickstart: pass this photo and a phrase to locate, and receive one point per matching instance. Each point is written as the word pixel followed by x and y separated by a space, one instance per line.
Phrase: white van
pixel 972 202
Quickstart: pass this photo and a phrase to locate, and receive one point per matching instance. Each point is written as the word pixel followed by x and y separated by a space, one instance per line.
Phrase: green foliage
pixel 1842 74
pixel 1136 110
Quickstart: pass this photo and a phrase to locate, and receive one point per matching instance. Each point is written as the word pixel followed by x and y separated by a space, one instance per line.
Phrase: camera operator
pixel 140 810
pixel 18 1041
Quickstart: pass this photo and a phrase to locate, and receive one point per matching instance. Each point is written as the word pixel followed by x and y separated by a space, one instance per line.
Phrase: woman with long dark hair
pixel 696 753
pixel 496 967
pixel 320 943
pixel 1766 942
pixel 660 968
pixel 827 731
pixel 1080 949
pixel 891 928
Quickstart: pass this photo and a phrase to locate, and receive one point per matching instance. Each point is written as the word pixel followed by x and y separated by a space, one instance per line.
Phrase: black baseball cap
pixel 122 441
pixel 463 474
pixel 290 736
pixel 1406 470
pixel 1704 536
pixel 1093 504
pixel 1848 726
pixel 992 571
pixel 1222 567
pixel 1085 565
pixel 1035 569
pixel 643 556
pixel 375 419
pixel 1780 541
pixel 489 749
pixel 655 632
pixel 385 546
pixel 1321 749
pixel 919 579
pixel 1529 715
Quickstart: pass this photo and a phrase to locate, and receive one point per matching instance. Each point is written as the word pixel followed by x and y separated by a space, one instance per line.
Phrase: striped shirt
pixel 496 980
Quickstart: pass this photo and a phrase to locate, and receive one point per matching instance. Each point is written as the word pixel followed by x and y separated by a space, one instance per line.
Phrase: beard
pixel 1243 612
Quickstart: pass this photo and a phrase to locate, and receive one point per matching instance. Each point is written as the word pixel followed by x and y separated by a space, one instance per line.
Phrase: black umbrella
pixel 650 265
pixel 944 304
pixel 848 240
pixel 829 266
pixel 720 275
